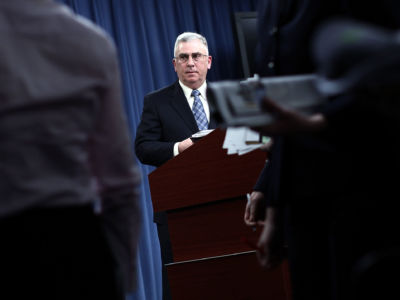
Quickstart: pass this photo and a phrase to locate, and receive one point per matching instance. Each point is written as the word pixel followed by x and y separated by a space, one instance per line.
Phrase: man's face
pixel 191 63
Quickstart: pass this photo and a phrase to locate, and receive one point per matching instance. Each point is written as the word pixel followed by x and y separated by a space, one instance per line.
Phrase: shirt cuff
pixel 176 151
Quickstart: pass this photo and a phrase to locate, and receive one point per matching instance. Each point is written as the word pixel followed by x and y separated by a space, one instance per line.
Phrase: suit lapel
pixel 179 103
pixel 181 106
pixel 212 124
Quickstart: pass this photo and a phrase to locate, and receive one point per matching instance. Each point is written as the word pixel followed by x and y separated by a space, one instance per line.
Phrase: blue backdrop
pixel 145 32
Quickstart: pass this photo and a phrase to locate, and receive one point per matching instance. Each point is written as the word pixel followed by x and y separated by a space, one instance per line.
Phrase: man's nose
pixel 190 60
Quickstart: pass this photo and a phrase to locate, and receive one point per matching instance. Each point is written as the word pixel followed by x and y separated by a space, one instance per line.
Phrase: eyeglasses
pixel 183 57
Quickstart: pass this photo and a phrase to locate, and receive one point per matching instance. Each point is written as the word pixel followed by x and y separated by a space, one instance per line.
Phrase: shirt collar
pixel 188 91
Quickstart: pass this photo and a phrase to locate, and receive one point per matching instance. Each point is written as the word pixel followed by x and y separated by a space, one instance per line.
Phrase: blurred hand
pixel 270 251
pixel 255 209
pixel 182 146
pixel 267 146
pixel 289 121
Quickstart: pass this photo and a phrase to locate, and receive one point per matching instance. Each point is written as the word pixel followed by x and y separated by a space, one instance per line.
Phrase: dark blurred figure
pixel 69 216
pixel 337 193
pixel 285 28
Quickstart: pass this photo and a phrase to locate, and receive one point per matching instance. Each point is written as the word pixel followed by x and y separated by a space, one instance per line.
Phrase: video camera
pixel 239 103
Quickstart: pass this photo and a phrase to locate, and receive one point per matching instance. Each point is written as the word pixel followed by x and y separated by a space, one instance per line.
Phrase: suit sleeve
pixel 149 147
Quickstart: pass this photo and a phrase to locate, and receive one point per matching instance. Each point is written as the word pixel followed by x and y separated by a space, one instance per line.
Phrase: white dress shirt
pixel 188 94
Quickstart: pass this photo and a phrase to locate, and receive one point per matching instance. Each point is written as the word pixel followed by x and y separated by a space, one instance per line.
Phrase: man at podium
pixel 172 114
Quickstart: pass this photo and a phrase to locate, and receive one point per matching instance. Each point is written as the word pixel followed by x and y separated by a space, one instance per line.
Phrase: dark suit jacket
pixel 285 29
pixel 166 119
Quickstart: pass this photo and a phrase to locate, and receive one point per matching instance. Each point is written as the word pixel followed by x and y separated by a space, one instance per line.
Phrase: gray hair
pixel 188 36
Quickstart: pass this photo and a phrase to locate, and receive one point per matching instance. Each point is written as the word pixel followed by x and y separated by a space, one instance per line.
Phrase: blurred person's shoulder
pixel 57 27
pixel 75 25
pixel 84 44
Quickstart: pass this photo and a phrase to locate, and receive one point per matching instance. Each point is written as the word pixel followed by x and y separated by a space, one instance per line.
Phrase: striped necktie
pixel 198 111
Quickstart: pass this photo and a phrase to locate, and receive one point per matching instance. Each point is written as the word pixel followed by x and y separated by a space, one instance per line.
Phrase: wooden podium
pixel 203 191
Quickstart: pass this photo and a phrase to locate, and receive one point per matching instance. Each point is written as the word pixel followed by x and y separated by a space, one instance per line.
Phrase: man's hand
pixel 270 251
pixel 267 146
pixel 255 209
pixel 182 146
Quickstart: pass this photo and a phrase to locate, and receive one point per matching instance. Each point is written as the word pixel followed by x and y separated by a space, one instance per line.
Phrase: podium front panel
pixel 233 277
pixel 204 173
pixel 212 229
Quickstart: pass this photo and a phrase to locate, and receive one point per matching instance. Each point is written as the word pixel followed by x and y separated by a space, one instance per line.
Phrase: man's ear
pixel 174 63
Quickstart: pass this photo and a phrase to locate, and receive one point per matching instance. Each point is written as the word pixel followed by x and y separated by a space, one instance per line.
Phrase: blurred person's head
pixel 352 55
pixel 382 13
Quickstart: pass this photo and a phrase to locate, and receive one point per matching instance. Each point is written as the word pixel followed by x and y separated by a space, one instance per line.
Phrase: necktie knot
pixel 195 93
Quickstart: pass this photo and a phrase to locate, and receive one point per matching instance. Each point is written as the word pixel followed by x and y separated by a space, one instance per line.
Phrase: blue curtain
pixel 144 32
